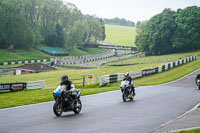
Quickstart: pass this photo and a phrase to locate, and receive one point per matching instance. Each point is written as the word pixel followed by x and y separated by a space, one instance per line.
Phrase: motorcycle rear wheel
pixel 57 109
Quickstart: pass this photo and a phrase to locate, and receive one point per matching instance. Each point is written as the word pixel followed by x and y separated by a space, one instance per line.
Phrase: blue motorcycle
pixel 66 101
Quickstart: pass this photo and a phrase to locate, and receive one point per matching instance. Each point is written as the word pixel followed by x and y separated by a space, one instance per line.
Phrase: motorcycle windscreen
pixel 78 92
pixel 124 83
pixel 59 90
pixel 57 93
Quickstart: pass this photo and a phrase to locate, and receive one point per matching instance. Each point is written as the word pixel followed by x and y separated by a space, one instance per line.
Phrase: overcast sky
pixel 133 10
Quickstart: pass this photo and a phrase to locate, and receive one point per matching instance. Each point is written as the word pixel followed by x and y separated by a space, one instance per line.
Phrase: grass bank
pixel 21 55
pixel 191 131
pixel 120 35
pixel 79 52
pixel 170 75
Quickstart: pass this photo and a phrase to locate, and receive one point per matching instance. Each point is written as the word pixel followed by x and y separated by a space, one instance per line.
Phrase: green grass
pixel 191 131
pixel 6 73
pixel 153 59
pixel 8 66
pixel 78 52
pixel 19 55
pixel 169 75
pixel 199 106
pixel 37 96
pixel 52 77
pixel 120 35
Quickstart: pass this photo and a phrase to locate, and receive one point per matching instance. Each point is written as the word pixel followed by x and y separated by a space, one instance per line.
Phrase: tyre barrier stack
pixel 146 72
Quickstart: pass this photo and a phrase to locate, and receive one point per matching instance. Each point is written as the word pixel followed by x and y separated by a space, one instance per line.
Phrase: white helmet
pixel 126 74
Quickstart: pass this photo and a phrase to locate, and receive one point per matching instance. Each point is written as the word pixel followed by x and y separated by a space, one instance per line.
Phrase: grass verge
pixel 37 96
pixel 170 75
pixel 191 131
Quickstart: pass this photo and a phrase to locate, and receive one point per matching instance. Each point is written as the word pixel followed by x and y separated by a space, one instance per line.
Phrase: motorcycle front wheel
pixel 124 96
pixel 57 109
pixel 78 107
pixel 199 86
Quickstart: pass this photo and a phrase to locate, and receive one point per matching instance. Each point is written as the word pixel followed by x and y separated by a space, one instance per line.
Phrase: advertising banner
pixel 12 87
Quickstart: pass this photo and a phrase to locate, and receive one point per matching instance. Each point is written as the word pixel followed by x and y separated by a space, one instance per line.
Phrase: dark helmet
pixel 126 74
pixel 64 78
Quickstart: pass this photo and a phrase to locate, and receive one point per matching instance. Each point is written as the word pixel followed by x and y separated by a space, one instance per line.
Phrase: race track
pixel 106 113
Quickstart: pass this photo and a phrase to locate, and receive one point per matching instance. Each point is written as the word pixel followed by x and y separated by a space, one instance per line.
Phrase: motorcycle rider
pixel 69 86
pixel 197 78
pixel 128 78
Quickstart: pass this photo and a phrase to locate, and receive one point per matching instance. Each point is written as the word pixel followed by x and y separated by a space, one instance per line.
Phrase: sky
pixel 134 10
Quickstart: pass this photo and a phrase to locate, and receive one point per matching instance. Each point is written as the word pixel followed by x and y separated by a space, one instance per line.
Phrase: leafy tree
pixel 154 37
pixel 103 29
pixel 28 23
pixel 138 23
pixel 170 32
pixel 187 35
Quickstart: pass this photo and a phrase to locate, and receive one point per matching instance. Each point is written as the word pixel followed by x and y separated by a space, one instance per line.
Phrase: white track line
pixel 165 124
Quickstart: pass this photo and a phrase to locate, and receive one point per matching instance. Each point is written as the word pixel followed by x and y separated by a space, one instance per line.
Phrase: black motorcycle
pixel 65 101
pixel 198 83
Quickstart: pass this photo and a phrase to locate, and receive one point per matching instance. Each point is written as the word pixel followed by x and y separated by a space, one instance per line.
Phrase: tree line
pixel 27 24
pixel 119 21
pixel 170 32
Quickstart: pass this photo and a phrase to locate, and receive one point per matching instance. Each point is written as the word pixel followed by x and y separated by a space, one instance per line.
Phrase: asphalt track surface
pixel 106 113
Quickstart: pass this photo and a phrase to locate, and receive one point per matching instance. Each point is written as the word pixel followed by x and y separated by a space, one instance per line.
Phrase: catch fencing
pixel 86 80
pixel 146 72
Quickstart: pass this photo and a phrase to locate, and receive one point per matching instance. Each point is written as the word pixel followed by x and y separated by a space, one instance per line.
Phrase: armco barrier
pixel 146 72
pixel 135 74
pixel 35 85
pixel 113 78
